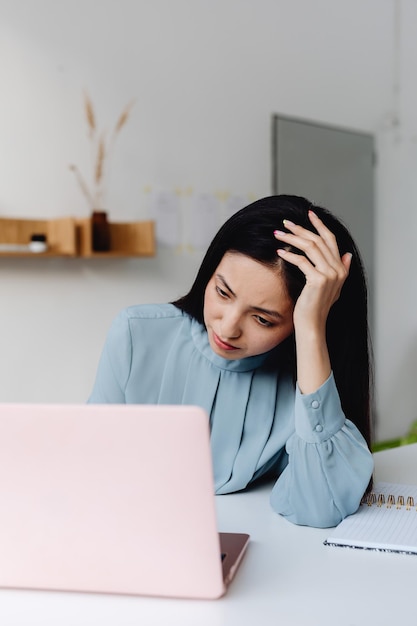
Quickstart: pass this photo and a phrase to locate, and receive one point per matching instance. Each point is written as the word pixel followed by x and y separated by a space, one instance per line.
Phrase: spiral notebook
pixel 386 521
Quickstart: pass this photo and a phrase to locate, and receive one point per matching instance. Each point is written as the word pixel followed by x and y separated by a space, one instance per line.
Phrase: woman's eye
pixel 221 292
pixel 262 321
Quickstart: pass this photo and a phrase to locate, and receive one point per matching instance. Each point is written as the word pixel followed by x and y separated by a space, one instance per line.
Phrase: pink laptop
pixel 111 499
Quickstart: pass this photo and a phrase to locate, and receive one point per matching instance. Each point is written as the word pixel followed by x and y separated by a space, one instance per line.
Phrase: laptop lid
pixel 110 498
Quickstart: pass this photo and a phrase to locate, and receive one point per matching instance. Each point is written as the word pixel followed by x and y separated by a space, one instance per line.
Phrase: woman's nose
pixel 230 326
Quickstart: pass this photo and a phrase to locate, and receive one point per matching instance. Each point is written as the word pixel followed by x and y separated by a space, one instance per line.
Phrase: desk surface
pixel 287 577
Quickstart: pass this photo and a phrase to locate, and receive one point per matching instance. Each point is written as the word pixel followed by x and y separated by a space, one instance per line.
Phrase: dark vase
pixel 100 232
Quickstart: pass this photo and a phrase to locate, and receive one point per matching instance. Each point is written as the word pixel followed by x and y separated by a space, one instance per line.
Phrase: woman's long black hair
pixel 250 232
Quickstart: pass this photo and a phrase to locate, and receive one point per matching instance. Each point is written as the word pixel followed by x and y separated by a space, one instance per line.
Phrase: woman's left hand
pixel 325 271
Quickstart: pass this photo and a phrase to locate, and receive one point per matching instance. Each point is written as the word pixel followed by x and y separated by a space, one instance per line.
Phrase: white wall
pixel 206 76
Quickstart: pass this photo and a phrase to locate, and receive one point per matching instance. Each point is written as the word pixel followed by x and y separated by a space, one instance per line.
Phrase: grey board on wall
pixel 333 167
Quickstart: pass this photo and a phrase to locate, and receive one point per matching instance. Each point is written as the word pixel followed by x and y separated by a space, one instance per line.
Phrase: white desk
pixel 288 577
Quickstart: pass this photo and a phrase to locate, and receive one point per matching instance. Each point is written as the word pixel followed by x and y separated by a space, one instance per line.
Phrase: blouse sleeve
pixel 329 466
pixel 114 365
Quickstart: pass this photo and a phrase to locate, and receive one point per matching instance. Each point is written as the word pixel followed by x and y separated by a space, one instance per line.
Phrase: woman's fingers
pixel 321 249
pixel 308 241
pixel 314 273
pixel 325 234
pixel 347 260
pixel 325 270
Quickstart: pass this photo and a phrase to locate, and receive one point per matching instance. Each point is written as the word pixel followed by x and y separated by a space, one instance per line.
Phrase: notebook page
pixel 390 526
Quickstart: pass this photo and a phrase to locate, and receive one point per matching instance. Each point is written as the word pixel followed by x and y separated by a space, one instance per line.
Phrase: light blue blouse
pixel 155 354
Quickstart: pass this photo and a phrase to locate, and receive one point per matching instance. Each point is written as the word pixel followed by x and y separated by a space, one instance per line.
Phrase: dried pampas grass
pixel 123 117
pixel 89 113
pixel 102 151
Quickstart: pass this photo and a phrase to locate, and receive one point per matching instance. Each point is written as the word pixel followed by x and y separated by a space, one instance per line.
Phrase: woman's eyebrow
pixel 268 312
pixel 254 308
pixel 221 278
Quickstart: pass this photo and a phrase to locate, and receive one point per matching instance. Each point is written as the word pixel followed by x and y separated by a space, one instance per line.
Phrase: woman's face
pixel 247 310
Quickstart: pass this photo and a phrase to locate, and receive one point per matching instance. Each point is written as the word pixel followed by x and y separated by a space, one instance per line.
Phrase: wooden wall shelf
pixel 60 234
pixel 72 237
pixel 126 239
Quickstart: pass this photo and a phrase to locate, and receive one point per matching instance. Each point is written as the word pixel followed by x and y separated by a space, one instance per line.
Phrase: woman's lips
pixel 222 344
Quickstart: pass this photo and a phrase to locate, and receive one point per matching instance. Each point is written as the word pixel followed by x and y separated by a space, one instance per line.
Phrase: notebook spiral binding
pixel 371 499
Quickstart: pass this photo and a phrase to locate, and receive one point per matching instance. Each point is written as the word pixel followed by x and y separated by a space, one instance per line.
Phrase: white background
pixel 206 76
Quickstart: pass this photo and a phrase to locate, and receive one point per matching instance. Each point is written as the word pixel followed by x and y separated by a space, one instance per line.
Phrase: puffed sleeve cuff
pixel 318 415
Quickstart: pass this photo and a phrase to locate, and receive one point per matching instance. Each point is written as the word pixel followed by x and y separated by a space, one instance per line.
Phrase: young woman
pixel 272 340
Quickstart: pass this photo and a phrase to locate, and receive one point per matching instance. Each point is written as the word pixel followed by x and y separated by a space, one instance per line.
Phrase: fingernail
pixel 287 223
pixel 282 251
pixel 279 233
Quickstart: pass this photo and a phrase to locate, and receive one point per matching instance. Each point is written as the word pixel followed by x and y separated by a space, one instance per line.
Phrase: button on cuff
pixel 319 408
